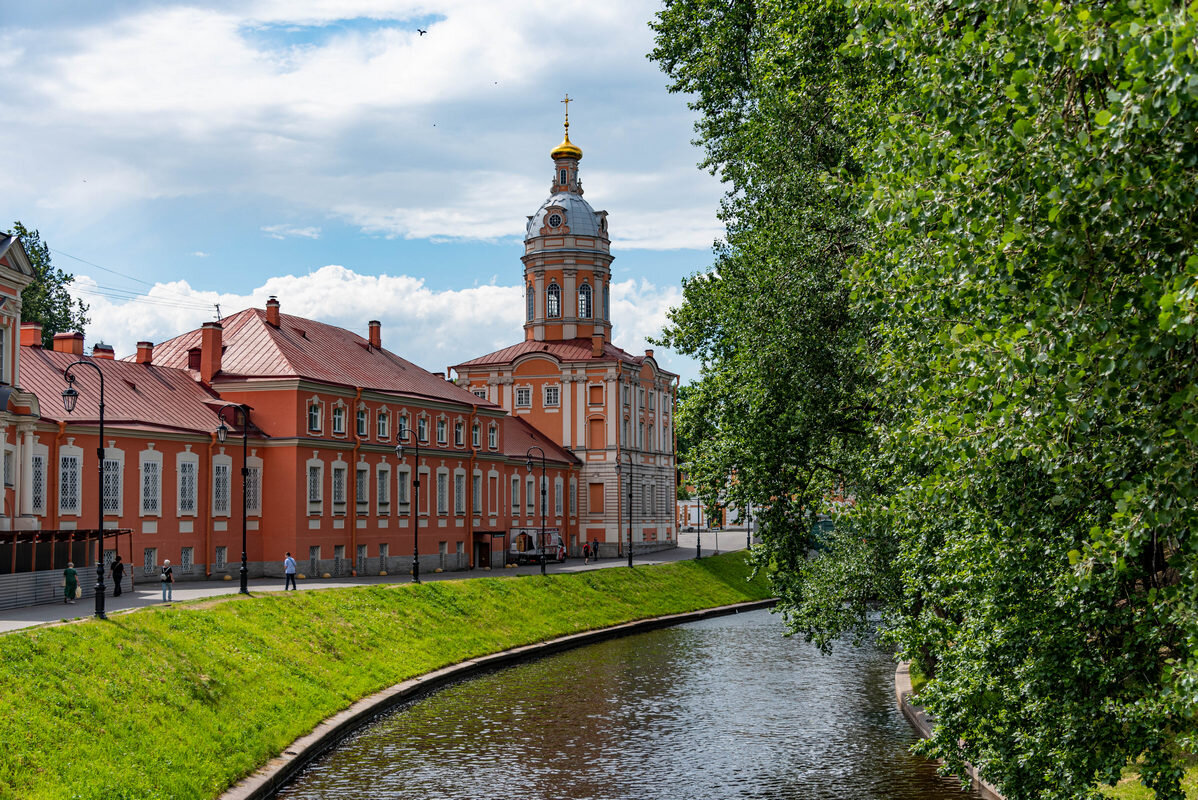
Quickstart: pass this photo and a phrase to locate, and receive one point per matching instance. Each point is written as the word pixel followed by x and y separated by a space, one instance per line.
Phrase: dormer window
pixel 553 296
pixel 584 301
pixel 555 220
pixel 561 180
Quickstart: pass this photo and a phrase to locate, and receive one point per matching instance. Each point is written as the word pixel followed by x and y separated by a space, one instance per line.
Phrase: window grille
pixel 531 302
pixel 478 494
pixel 384 554
pixel 187 560
pixel 459 494
pixel 253 489
pixel 314 484
pixel 220 489
pixel 481 394
pixel 68 485
pixel 222 558
pixel 573 497
pixel 557 496
pixel 338 486
pixel 361 559
pixel 363 481
pixel 150 494
pixel 442 493
pixel 187 487
pixel 338 559
pixel 149 565
pixel 39 483
pixel 112 486
pixel 8 468
pixel 384 486
pixel 313 561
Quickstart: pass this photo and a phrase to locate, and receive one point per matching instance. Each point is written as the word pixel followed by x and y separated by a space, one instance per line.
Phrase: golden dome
pixel 566 149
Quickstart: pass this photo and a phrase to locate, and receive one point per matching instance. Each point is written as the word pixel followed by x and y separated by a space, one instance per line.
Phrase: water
pixel 724 708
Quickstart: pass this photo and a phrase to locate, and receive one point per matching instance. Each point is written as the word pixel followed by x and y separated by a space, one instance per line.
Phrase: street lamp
pixel 222 432
pixel 622 454
pixel 70 396
pixel 748 525
pixel 528 464
pixel 404 434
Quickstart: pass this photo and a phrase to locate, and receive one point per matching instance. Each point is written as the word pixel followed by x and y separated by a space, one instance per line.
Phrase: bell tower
pixel 567 258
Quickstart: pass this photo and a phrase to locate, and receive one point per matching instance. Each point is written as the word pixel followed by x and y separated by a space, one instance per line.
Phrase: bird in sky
pixel 421 32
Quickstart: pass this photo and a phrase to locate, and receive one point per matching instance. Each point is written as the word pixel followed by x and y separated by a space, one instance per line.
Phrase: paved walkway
pixel 148 592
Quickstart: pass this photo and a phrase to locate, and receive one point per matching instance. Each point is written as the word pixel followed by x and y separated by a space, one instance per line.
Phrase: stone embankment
pixel 922 722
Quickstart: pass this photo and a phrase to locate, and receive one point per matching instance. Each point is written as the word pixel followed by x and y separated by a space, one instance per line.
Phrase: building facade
pixel 613 410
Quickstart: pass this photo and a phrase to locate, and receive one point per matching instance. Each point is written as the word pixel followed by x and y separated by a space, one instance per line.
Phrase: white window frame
pixel 382 428
pixel 253 486
pixel 152 459
pixel 476 493
pixel 523 397
pixel 315 502
pixel 403 483
pixel 70 460
pixel 340 478
pixel 222 463
pixel 315 414
pixel 422 428
pixel 383 489
pixel 584 301
pixel 41 457
pixel 476 435
pixel 339 413
pixel 480 393
pixel 442 431
pixel 530 494
pixel 493 437
pixel 515 488
pixel 192 460
pixel 552 395
pixel 573 496
pixel 553 301
pixel 557 496
pixel 362 486
pixel 459 434
pixel 459 492
pixel 442 492
pixel 114 461
pixel 361 422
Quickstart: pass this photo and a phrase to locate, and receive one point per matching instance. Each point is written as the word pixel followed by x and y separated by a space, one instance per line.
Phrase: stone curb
pixel 267 780
pixel 922 722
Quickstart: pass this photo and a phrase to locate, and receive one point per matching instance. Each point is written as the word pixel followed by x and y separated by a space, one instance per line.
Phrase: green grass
pixel 1130 787
pixel 918 679
pixel 181 702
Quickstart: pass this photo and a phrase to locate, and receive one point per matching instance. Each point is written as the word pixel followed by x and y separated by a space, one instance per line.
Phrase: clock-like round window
pixel 555 220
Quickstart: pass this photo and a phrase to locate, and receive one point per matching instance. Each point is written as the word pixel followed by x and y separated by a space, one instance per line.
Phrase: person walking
pixel 288 572
pixel 586 552
pixel 595 549
pixel 168 582
pixel 118 575
pixel 70 583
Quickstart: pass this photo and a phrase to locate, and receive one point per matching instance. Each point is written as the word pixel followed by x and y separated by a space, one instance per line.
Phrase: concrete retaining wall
pixel 267 780
pixel 922 722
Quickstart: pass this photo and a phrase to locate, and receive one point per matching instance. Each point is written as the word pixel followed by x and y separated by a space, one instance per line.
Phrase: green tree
pixel 46 299
pixel 1022 292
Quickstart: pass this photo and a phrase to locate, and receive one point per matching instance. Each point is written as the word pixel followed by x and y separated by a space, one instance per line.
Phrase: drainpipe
pixel 210 521
pixel 353 509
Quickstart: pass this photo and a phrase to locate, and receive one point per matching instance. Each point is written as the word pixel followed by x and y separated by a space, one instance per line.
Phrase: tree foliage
pixel 1021 294
pixel 46 299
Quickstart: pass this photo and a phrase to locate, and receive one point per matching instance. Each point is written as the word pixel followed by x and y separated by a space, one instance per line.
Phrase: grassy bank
pixel 181 702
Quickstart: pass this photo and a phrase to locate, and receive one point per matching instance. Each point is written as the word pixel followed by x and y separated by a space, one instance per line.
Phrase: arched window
pixel 562 178
pixel 553 306
pixel 584 301
pixel 532 302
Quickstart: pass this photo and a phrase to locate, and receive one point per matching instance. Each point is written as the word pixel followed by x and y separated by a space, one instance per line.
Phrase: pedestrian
pixel 168 582
pixel 118 575
pixel 70 583
pixel 586 552
pixel 289 572
pixel 595 549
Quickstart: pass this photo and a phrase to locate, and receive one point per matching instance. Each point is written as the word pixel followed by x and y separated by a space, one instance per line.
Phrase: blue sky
pixel 178 156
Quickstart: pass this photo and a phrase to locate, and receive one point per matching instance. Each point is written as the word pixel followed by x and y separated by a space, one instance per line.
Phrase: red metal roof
pixel 571 350
pixel 305 348
pixel 144 396
pixel 518 436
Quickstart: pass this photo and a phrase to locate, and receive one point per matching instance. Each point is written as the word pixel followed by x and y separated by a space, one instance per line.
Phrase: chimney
pixel 210 350
pixel 101 350
pixel 145 353
pixel 596 345
pixel 68 343
pixel 648 354
pixel 376 334
pixel 31 334
pixel 272 312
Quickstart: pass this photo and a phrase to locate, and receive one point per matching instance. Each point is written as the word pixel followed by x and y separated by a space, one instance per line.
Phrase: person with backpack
pixel 289 572
pixel 586 552
pixel 168 582
pixel 118 575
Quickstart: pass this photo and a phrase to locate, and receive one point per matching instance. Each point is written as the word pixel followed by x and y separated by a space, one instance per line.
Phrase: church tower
pixel 567 258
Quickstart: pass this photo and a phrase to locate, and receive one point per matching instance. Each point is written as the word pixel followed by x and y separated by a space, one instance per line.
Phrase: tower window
pixel 584 301
pixel 555 220
pixel 554 297
pixel 562 177
pixel 532 302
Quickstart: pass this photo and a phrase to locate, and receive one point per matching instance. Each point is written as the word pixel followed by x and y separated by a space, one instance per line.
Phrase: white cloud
pixel 432 328
pixel 283 231
pixel 200 254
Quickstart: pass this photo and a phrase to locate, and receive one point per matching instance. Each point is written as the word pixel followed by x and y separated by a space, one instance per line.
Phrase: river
pixel 722 708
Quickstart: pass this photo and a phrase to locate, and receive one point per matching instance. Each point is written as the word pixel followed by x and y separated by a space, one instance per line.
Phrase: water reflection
pixel 714 709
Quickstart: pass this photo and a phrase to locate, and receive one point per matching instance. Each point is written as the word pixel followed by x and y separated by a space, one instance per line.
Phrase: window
pixel 8 469
pixel 652 400
pixel 314 560
pixel 442 492
pixel 459 494
pixel 39 483
pixel 314 417
pixel 493 437
pixel 338 486
pixel 381 426
pixel 557 496
pixel 596 395
pixel 523 397
pixel 149 564
pixel 220 489
pixel 552 395
pixel 606 298
pixel 480 393
pixel 222 558
pixel 515 494
pixel 314 483
pixel 112 486
pixel 422 429
pixel 573 497
pixel 68 484
pixel 187 560
pixel 474 435
pixel 151 487
pixel 627 393
pixel 553 300
pixel 442 431
pixel 404 431
pixel 339 420
pixel 361 422
pixel 531 302
pixel 561 176
pixel 383 490
pixel 459 433
pixel 476 504
pixel 404 478
pixel 530 494
pixel 362 486
pixel 253 490
pixel 595 499
pixel 187 471
pixel 584 301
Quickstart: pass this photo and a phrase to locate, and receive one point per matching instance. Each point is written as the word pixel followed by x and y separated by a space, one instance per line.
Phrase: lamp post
pixel 222 432
pixel 544 488
pixel 70 396
pixel 699 529
pixel 622 454
pixel 404 434
pixel 748 525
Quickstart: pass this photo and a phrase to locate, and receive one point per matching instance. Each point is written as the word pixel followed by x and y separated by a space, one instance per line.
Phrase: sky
pixel 179 156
